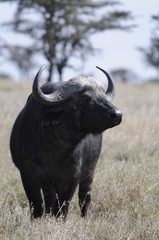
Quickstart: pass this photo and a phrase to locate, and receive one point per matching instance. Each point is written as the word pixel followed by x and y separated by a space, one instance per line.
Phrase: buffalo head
pixel 83 100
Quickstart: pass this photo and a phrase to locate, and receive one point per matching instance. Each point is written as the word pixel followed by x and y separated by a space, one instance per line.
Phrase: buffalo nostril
pixel 119 113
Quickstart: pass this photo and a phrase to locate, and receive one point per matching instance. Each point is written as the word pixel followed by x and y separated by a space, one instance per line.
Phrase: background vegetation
pixel 151 53
pixel 59 31
pixel 125 201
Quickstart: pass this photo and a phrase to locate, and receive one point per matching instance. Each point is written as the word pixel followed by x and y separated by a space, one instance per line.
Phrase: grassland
pixel 125 202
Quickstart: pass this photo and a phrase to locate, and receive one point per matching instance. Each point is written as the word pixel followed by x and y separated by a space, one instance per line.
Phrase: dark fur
pixel 56 148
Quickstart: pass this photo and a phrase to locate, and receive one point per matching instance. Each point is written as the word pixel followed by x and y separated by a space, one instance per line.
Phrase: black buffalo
pixel 56 141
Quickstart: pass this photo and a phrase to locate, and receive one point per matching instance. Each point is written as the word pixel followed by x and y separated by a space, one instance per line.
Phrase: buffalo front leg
pixel 32 189
pixel 84 194
pixel 61 206
pixel 64 195
pixel 50 198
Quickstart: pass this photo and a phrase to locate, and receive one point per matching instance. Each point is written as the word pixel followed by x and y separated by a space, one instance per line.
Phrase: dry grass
pixel 125 201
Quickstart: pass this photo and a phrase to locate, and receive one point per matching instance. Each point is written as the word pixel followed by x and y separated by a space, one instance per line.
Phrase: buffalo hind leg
pixel 33 193
pixel 84 195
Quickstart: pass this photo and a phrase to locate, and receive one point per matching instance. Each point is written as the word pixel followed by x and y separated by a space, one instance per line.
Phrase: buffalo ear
pixel 51 119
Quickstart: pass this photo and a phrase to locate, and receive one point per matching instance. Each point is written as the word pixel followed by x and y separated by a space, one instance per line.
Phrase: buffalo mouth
pixel 115 119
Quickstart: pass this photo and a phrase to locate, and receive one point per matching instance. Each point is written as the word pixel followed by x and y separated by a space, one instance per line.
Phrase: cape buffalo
pixel 56 141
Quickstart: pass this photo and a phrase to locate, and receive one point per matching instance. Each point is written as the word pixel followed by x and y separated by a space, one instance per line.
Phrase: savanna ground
pixel 125 198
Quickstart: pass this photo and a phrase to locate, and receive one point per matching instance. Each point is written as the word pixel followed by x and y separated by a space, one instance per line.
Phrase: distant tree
pixel 60 30
pixel 21 56
pixel 151 54
pixel 124 75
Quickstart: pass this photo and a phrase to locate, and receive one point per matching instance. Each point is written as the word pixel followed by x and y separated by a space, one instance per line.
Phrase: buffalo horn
pixel 60 95
pixel 110 92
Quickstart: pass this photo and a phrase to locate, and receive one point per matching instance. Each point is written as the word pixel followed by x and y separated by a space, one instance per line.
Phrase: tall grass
pixel 125 202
